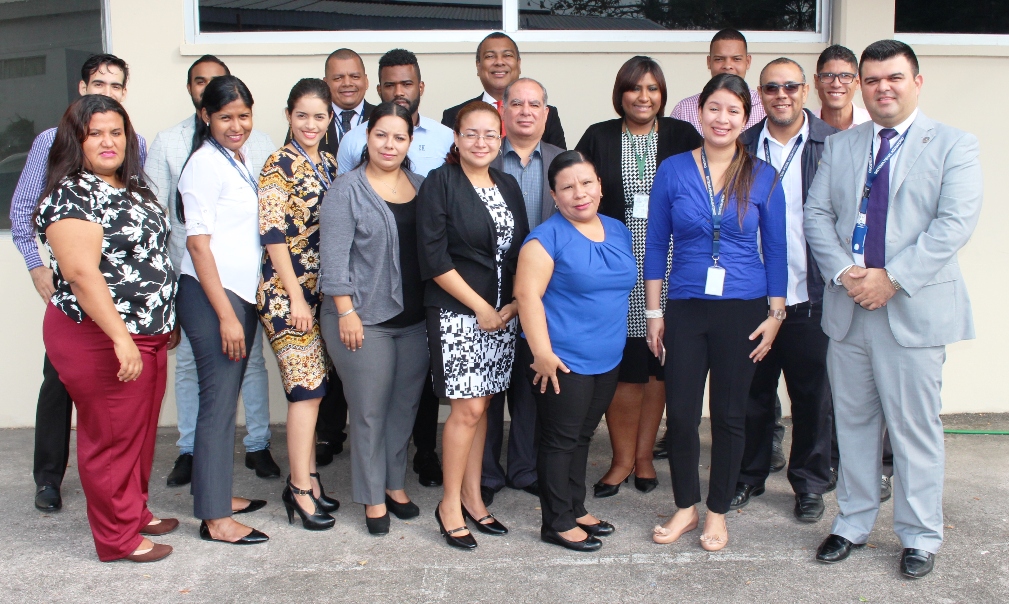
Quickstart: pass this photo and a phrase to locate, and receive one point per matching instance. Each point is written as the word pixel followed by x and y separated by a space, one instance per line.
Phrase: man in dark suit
pixel 526 156
pixel 498 64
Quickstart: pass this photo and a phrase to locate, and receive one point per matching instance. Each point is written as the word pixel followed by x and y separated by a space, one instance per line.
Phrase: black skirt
pixel 639 364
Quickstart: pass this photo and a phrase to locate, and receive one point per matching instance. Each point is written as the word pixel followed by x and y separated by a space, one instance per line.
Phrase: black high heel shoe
pixel 601 489
pixel 318 520
pixel 326 504
pixel 491 528
pixel 645 485
pixel 403 511
pixel 377 526
pixel 463 541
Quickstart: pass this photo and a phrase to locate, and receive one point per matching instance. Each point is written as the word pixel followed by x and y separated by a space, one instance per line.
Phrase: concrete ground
pixel 51 557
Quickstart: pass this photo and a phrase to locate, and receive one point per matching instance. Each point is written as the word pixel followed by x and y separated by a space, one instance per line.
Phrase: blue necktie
pixel 879 196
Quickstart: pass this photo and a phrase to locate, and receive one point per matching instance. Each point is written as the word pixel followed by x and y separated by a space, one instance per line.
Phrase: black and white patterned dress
pixel 475 362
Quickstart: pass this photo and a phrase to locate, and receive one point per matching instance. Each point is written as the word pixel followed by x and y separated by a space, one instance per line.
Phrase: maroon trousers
pixel 116 425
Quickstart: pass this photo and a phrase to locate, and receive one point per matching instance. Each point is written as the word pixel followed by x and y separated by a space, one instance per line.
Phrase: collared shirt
pixel 356 120
pixel 26 195
pixel 688 111
pixel 530 177
pixel 431 143
pixel 487 98
pixel 791 181
pixel 858 116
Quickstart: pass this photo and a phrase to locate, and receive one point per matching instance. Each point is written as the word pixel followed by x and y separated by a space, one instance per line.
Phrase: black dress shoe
pixel 834 549
pixel 491 528
pixel 428 468
pixel 743 494
pixel 182 473
pixel 262 462
pixel 254 504
pixel 833 480
pixel 601 489
pixel 916 563
pixel 47 499
pixel 590 544
pixel 885 489
pixel 487 494
pixel 777 458
pixel 600 529
pixel 403 511
pixel 316 520
pixel 533 488
pixel 378 526
pixel 808 507
pixel 463 542
pixel 251 539
pixel 325 451
pixel 660 451
pixel 645 485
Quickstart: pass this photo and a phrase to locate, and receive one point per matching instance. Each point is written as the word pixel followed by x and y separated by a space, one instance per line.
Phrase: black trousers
pixel 522 436
pixel 52 429
pixel 425 427
pixel 566 423
pixel 800 353
pixel 331 427
pixel 703 336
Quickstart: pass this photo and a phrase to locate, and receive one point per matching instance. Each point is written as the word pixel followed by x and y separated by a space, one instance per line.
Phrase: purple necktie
pixel 879 196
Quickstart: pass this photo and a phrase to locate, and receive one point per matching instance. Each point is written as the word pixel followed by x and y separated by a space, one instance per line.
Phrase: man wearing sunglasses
pixel 791 139
pixel 836 83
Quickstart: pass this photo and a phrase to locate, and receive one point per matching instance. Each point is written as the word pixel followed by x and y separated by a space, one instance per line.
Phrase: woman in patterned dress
pixel 291 188
pixel 471 222
pixel 626 152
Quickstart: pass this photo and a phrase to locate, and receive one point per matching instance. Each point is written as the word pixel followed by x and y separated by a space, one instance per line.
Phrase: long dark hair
pixel 66 157
pixel 384 110
pixel 473 107
pixel 218 93
pixel 739 175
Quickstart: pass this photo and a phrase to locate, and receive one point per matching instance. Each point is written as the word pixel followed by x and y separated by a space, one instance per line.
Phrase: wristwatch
pixel 893 281
pixel 778 314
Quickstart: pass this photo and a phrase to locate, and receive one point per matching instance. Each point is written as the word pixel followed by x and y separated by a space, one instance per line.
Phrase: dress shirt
pixel 858 116
pixel 688 111
pixel 530 178
pixel 355 121
pixel 487 98
pixel 791 182
pixel 219 202
pixel 431 143
pixel 26 195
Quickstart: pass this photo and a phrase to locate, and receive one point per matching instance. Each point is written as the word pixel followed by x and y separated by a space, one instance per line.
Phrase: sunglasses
pixel 790 87
pixel 827 77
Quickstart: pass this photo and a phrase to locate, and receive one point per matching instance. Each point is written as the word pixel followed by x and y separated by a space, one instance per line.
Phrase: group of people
pixel 393 261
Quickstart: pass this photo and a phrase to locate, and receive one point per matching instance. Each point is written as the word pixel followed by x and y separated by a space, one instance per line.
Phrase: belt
pixel 806 308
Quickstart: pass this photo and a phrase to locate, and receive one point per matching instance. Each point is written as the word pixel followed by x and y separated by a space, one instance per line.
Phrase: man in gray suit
pixel 527 157
pixel 893 202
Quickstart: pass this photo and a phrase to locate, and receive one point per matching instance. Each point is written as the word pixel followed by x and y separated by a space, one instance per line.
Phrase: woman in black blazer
pixel 626 152
pixel 471 222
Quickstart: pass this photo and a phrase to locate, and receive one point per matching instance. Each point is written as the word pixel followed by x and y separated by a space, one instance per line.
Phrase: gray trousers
pixel 382 381
pixel 220 383
pixel 876 381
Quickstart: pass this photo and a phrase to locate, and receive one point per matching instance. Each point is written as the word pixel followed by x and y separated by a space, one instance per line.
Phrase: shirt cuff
pixel 837 277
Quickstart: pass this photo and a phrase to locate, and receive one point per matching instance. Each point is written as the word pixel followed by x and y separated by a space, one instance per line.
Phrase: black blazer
pixel 455 231
pixel 601 143
pixel 331 142
pixel 553 133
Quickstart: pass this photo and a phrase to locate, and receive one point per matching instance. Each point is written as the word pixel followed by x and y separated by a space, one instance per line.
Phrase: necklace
pixel 390 187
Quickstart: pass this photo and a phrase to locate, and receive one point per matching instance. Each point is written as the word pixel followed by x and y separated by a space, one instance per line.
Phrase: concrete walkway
pixel 51 558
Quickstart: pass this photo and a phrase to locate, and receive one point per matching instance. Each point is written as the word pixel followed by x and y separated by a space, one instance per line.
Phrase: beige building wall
pixel 149 35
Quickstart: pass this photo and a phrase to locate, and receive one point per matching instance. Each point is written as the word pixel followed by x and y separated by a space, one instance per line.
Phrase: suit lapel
pixel 918 135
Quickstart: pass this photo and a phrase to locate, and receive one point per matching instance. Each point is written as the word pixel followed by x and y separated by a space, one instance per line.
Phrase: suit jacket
pixel 455 231
pixel 601 144
pixel 935 200
pixel 548 153
pixel 331 142
pixel 819 130
pixel 553 134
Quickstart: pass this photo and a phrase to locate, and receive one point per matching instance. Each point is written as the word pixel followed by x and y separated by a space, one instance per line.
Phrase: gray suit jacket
pixel 549 153
pixel 935 200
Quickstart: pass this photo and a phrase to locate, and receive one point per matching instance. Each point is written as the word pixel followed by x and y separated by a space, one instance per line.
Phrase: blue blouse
pixel 586 299
pixel 679 207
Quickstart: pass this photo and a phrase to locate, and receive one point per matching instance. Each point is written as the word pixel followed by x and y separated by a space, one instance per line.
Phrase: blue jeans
pixel 255 396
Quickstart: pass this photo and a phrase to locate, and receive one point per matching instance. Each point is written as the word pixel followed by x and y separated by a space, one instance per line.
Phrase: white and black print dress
pixel 475 362
pixel 134 260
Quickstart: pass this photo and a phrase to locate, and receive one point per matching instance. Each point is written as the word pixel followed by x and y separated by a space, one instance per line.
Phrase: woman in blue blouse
pixel 575 273
pixel 717 316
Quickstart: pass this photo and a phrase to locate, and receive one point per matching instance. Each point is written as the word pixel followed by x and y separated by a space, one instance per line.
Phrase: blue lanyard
pixel 339 123
pixel 324 180
pixel 716 210
pixel 788 160
pixel 245 174
pixel 872 172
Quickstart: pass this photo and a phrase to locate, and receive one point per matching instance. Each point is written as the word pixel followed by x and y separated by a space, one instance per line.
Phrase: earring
pixel 290 133
pixel 326 137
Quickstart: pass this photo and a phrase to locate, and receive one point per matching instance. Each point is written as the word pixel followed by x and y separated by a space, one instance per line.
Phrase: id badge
pixel 715 282
pixel 640 209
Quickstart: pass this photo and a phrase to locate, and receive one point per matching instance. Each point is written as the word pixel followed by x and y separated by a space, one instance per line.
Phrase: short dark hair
pixel 728 34
pixel 95 62
pixel 387 109
pixel 205 59
pixel 495 35
pixel 836 52
pixel 564 161
pixel 630 74
pixel 397 57
pixel 887 49
pixel 343 54
pixel 783 61
pixel 310 87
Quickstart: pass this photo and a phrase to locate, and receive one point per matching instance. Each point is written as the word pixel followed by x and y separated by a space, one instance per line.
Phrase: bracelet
pixel 653 314
pixel 893 282
pixel 349 312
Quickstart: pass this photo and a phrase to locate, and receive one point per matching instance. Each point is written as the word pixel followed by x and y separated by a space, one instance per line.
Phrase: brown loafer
pixel 164 527
pixel 157 552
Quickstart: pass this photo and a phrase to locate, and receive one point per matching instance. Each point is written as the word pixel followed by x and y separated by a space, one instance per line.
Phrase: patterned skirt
pixel 466 361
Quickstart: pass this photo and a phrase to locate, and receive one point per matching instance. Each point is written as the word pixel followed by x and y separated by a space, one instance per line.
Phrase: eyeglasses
pixel 827 77
pixel 790 87
pixel 473 136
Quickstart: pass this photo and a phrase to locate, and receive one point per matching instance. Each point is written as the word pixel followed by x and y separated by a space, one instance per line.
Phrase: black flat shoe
pixel 601 529
pixel 743 494
pixel 601 489
pixel 378 526
pixel 491 528
pixel 403 511
pixel 326 504
pixel 251 539
pixel 262 462
pixel 916 563
pixel 182 472
pixel 317 520
pixel 808 507
pixel 428 468
pixel 463 541
pixel 834 549
pixel 885 489
pixel 254 504
pixel 590 544
pixel 645 485
pixel 48 499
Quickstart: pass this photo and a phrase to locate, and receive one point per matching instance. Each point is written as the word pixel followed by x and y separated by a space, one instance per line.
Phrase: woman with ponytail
pixel 722 207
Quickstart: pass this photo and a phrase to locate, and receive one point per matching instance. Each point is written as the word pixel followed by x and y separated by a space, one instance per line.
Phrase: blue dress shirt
pixel 431 143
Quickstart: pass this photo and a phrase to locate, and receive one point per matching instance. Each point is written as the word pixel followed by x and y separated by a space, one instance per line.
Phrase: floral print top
pixel 134 259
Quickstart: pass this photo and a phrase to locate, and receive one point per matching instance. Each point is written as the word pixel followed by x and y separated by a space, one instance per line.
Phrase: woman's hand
pixel 767 331
pixel 301 313
pixel 508 311
pixel 546 367
pixel 130 363
pixel 489 319
pixel 233 338
pixel 176 337
pixel 656 331
pixel 351 332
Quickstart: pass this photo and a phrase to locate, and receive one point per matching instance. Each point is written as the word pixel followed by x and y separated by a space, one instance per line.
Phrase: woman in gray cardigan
pixel 373 318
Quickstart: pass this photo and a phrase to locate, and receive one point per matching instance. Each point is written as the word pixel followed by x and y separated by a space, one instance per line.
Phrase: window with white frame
pixel 938 17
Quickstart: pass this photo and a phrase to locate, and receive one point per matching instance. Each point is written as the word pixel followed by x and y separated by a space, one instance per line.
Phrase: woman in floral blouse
pixel 109 325
pixel 291 188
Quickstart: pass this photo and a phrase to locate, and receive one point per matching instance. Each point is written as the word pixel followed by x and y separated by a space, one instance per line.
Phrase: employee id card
pixel 640 209
pixel 716 281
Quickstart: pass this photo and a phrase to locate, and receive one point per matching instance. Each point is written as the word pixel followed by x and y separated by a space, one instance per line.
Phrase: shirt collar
pixel 424 124
pixel 487 98
pixel 900 128
pixel 804 133
pixel 359 110
pixel 507 148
